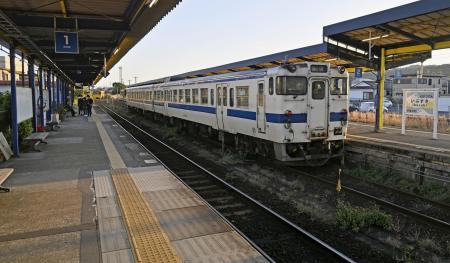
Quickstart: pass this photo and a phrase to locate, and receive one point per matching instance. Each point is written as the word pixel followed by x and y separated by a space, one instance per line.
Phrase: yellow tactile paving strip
pixel 149 241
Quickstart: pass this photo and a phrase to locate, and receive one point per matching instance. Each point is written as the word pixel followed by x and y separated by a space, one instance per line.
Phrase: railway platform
pixel 391 137
pixel 415 155
pixel 94 194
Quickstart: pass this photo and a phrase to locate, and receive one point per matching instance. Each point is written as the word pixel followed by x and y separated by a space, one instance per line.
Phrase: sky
pixel 204 33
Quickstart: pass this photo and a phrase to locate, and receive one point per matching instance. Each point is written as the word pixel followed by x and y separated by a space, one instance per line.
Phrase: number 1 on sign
pixel 66 37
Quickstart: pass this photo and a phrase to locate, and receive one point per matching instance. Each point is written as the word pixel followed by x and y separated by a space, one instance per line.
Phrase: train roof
pixel 215 78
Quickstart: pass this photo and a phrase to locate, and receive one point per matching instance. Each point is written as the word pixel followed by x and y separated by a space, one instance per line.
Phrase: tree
pixel 117 87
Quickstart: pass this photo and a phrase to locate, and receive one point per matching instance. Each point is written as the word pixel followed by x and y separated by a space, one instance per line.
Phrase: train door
pixel 318 108
pixel 261 108
pixel 221 105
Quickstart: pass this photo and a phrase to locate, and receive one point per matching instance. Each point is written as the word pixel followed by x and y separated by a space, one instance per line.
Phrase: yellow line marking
pixel 150 242
pixel 113 155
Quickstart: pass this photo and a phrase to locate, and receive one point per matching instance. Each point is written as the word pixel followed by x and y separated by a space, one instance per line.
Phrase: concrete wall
pixel 400 161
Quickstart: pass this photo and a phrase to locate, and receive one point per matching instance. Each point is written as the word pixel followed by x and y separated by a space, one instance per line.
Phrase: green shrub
pixel 433 191
pixel 25 129
pixel 5 101
pixel 355 218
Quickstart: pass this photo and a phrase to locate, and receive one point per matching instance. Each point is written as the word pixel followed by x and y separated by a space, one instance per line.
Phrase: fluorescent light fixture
pixel 330 59
pixel 152 3
pixel 117 50
pixel 373 38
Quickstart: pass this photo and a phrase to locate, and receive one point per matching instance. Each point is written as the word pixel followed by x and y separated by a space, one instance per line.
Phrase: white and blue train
pixel 293 113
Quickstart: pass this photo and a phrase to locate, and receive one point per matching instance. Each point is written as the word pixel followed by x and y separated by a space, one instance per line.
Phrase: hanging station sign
pixel 66 42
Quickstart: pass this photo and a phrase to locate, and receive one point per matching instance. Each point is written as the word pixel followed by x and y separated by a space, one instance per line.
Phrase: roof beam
pixel 62 3
pixel 406 34
pixel 69 23
pixel 87 43
pixel 418 48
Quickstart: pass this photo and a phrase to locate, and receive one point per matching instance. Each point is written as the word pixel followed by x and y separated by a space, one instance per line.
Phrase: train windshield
pixel 291 85
pixel 338 86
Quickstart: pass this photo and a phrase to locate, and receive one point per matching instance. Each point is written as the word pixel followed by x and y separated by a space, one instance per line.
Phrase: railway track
pixel 277 237
pixel 436 219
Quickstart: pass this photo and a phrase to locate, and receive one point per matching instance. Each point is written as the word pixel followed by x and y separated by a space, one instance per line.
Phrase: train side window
pixel 338 86
pixel 195 96
pixel 181 96
pixel 224 99
pixel 242 96
pixel 204 96
pixel 231 97
pixel 212 97
pixel 187 95
pixel 175 96
pixel 271 86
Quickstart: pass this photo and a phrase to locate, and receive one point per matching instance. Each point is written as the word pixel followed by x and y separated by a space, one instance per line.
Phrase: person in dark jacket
pixel 89 102
pixel 80 106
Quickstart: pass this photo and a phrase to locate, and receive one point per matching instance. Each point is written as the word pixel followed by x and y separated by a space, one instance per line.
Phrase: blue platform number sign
pixel 66 42
pixel 358 72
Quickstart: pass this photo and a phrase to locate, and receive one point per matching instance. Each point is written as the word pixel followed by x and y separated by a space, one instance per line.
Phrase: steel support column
pixel 380 104
pixel 58 93
pixel 41 96
pixel 50 97
pixel 14 117
pixel 33 90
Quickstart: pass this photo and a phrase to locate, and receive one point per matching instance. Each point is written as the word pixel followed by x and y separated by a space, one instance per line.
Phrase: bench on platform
pixel 4 174
pixel 52 125
pixel 35 139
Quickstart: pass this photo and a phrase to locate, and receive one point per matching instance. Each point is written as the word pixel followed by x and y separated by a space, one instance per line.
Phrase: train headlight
pixel 341 69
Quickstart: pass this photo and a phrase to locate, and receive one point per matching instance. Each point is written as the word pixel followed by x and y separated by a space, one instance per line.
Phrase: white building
pixel 412 81
pixel 362 90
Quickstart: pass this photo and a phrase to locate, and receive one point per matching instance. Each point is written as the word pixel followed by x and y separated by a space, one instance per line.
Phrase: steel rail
pixel 405 210
pixel 305 233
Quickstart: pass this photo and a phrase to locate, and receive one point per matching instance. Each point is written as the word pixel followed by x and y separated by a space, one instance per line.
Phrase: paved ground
pixel 49 216
pixel 392 136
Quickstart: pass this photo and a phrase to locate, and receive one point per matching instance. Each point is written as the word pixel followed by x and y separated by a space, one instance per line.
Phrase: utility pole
pixel 120 74
pixel 135 79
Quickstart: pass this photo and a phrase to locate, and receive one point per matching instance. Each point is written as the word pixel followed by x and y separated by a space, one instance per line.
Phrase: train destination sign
pixel 66 42
pixel 420 102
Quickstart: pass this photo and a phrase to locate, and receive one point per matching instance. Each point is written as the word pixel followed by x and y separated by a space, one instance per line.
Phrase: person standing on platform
pixel 89 102
pixel 80 106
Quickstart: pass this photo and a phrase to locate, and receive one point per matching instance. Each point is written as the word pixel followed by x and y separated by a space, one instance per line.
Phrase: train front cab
pixel 326 122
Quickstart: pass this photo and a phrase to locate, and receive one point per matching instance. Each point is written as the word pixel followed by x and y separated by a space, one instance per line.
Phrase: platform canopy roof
pixel 107 29
pixel 408 32
pixel 315 53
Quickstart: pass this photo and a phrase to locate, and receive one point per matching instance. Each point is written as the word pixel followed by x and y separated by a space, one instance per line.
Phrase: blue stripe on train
pixel 243 114
pixel 338 116
pixel 193 108
pixel 281 118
